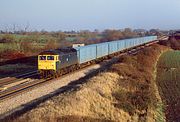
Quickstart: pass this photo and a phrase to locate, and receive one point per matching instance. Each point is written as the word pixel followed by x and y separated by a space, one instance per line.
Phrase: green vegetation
pixel 26 45
pixel 32 43
pixel 11 46
pixel 171 59
pixel 168 80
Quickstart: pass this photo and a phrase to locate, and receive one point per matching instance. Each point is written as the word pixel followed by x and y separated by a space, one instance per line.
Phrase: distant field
pixel 27 45
pixel 13 46
pixel 39 38
pixel 168 79
pixel 5 46
pixel 170 59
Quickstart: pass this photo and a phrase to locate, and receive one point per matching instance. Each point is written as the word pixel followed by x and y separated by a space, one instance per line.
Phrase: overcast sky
pixel 64 15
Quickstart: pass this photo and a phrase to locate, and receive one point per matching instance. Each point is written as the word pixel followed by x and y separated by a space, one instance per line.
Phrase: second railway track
pixel 13 79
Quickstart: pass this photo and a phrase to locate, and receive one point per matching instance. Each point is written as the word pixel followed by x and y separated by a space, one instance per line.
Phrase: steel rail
pixel 9 80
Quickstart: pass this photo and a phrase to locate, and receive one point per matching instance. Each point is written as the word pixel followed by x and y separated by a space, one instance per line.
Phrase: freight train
pixel 58 61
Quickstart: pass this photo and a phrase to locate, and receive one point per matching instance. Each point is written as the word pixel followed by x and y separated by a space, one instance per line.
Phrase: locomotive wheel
pixel 41 74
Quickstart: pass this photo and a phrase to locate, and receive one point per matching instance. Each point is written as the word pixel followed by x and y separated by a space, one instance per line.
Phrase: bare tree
pixel 26 27
pixel 14 28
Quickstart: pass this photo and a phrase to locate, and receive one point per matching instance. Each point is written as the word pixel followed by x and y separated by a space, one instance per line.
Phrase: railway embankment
pixel 125 91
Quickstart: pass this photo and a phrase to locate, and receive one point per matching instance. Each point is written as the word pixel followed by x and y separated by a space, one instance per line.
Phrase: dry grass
pixel 122 93
pixel 93 100
pixel 172 42
pixel 136 93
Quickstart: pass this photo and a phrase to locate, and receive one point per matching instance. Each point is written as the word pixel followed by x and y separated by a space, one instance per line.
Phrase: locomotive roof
pixel 58 51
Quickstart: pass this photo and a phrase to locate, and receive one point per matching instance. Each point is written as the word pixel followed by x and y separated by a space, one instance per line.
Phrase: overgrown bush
pixel 11 54
pixel 51 44
pixel 26 46
pixel 7 38
pixel 172 43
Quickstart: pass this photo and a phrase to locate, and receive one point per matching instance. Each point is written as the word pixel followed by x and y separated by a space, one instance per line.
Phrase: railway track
pixel 9 80
pixel 27 85
pixel 20 88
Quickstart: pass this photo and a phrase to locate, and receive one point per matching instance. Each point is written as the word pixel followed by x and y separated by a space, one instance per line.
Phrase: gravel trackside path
pixel 17 102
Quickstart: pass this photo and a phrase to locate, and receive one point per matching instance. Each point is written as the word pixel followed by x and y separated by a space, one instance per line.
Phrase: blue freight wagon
pixel 86 53
pixel 113 47
pixel 94 51
pixel 101 50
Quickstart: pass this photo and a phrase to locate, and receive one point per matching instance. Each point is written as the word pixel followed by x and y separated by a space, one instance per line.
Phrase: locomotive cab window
pixel 42 57
pixel 50 57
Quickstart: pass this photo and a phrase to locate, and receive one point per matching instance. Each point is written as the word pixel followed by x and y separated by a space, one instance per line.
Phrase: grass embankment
pixel 124 92
pixel 168 80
